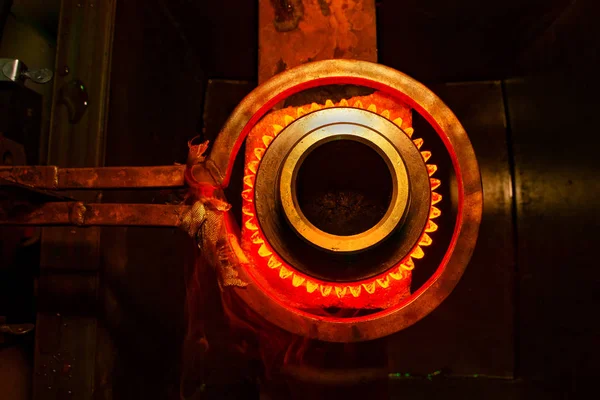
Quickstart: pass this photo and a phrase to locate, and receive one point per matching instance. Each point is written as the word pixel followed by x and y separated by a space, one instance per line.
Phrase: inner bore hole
pixel 344 187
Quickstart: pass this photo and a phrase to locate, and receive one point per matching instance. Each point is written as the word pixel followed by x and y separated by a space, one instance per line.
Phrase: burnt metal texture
pixel 86 214
pixel 54 178
pixel 313 31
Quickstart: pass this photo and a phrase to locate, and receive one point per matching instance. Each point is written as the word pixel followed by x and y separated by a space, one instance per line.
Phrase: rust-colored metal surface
pixel 302 31
pixel 90 214
pixel 54 178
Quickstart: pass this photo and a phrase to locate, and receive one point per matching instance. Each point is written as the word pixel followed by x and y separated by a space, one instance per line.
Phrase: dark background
pixel 521 75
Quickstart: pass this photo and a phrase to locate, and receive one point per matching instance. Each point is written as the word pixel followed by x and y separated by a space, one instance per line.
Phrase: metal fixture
pixel 14 70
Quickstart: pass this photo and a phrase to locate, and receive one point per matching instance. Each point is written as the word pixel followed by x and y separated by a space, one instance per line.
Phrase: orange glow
pixel 306 289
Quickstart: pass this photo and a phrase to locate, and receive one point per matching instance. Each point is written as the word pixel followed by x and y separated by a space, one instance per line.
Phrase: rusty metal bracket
pixel 54 178
pixel 41 179
pixel 96 214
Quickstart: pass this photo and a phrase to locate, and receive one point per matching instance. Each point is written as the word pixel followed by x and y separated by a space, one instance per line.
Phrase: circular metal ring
pixel 470 200
pixel 330 266
pixel 328 241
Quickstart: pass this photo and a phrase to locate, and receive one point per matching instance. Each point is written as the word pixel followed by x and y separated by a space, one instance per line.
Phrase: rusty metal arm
pixel 95 214
pixel 42 179
pixel 54 178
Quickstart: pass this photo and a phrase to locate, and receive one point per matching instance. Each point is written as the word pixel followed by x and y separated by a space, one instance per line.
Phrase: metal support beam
pixel 97 214
pixel 54 178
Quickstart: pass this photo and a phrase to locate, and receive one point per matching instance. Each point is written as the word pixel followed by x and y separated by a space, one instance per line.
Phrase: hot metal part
pixel 442 282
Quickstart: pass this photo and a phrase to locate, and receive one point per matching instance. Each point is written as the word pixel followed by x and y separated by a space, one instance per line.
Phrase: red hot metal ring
pixel 470 201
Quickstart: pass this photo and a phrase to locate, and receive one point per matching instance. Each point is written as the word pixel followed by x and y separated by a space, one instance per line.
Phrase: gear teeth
pixel 369 287
pixel 249 180
pixel 288 120
pixel 277 129
pixel 408 265
pixel 431 168
pixel 425 240
pixel 267 140
pixel 397 275
pixel 417 253
pixel 325 290
pixel 311 286
pixel 263 251
pixel 273 263
pixel 431 226
pixel 248 195
pixel 285 273
pixel 297 280
pixel 258 153
pixel 384 282
pixel 256 238
pixel 253 166
pixel 248 210
pixel 250 225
